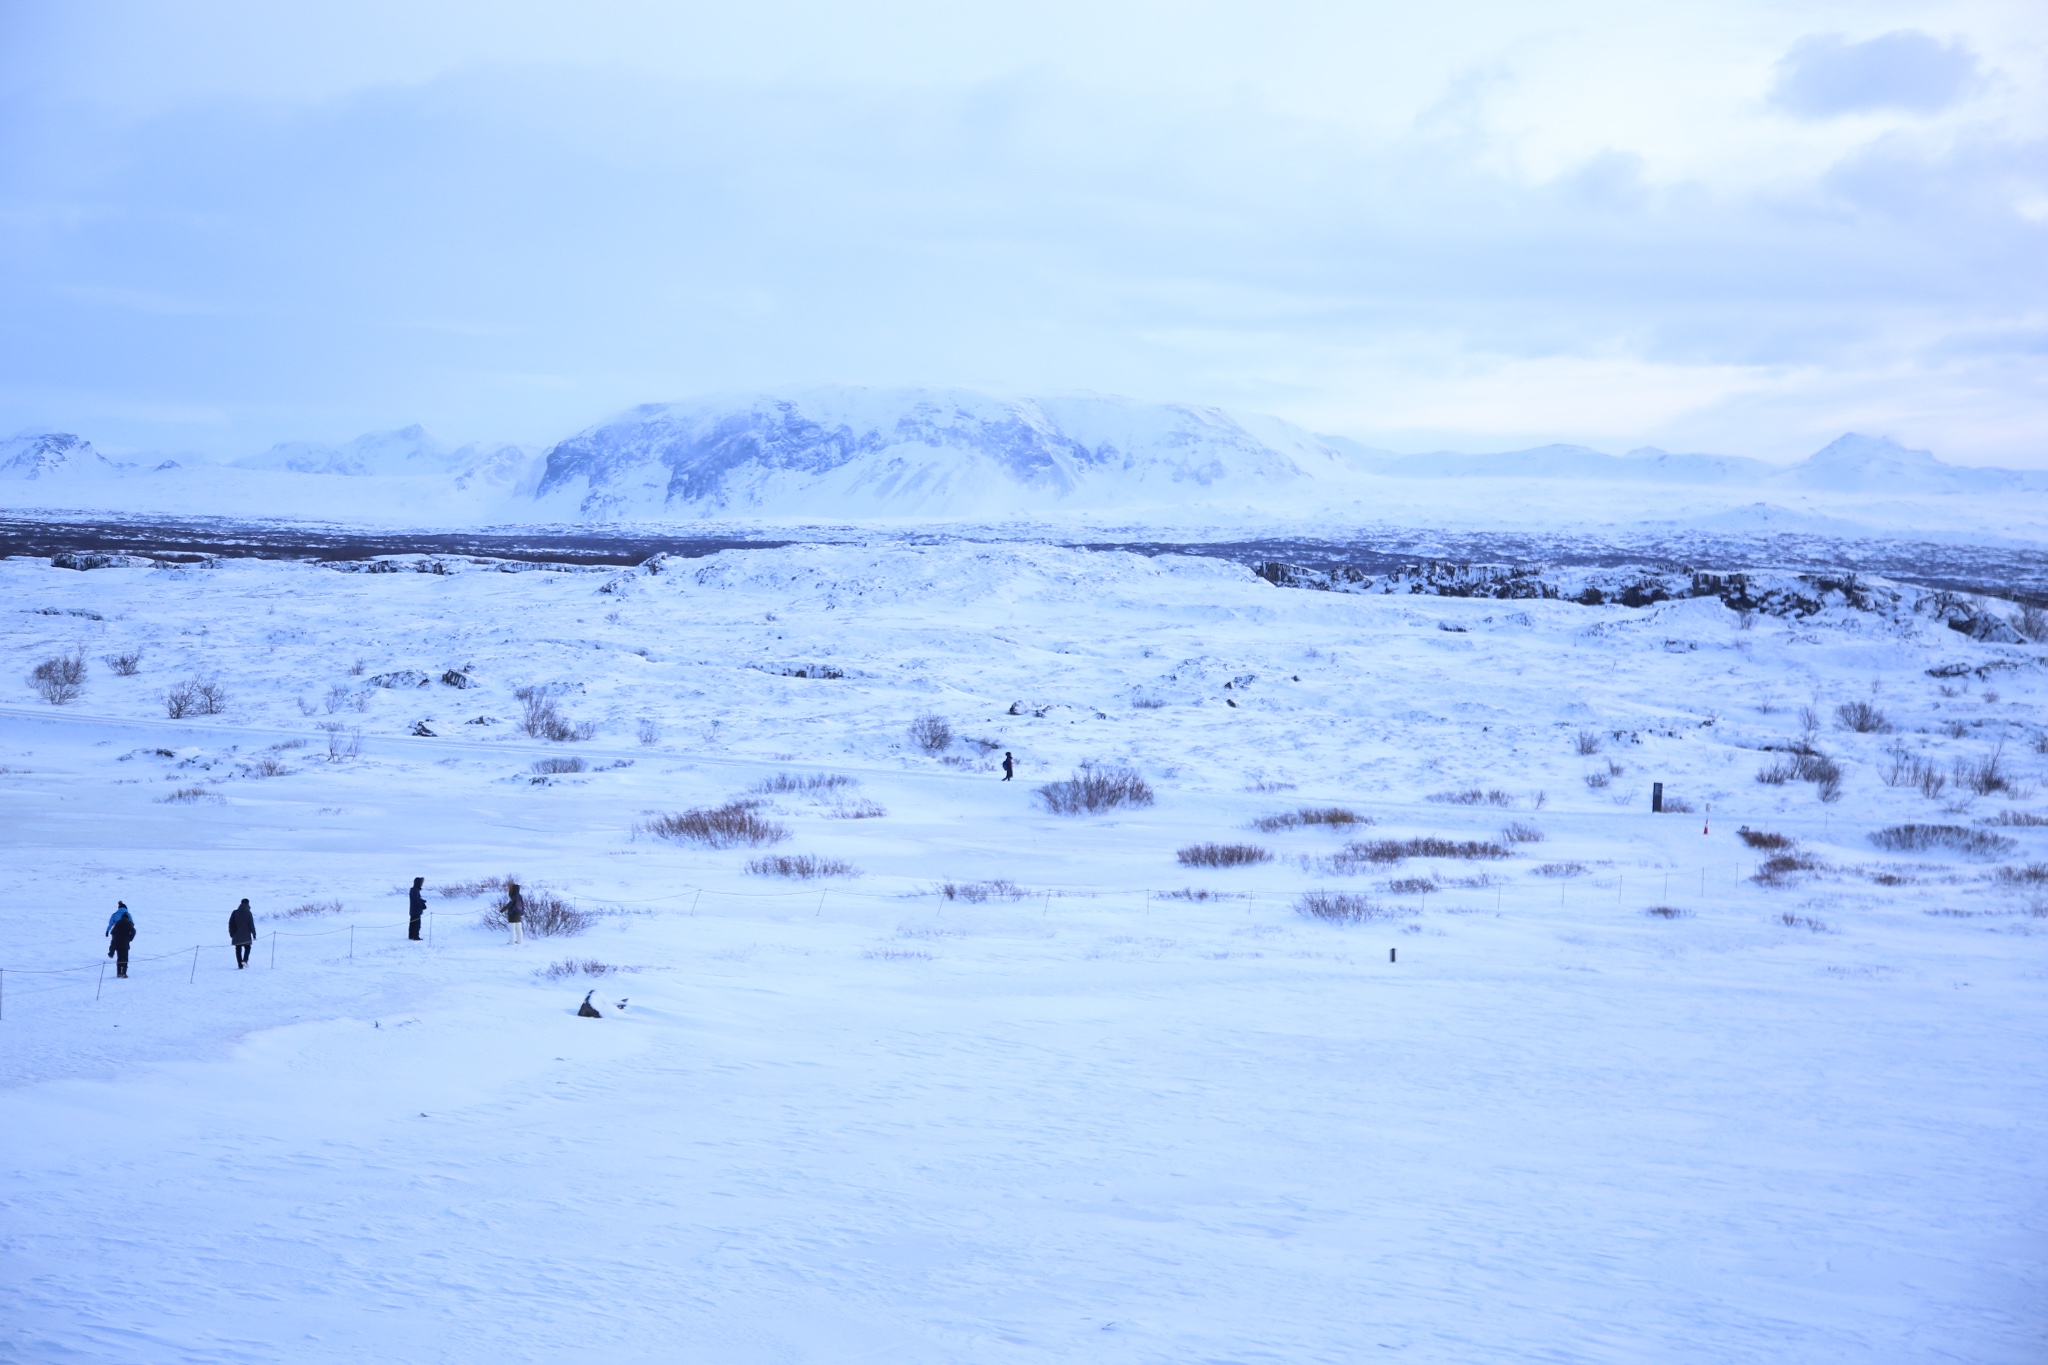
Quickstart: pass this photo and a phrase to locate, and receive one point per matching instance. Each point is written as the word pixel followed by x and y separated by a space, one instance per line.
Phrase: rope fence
pixel 1590 891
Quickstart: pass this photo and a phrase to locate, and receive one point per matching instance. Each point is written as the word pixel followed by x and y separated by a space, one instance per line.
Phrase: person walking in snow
pixel 242 932
pixel 120 929
pixel 1009 765
pixel 515 912
pixel 415 906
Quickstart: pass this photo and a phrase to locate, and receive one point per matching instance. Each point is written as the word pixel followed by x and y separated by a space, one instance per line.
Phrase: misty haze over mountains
pixel 851 454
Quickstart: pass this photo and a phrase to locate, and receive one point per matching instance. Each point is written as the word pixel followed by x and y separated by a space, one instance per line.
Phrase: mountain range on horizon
pixel 844 453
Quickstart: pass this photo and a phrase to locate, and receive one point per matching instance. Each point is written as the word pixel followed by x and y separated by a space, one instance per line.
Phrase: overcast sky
pixel 1701 224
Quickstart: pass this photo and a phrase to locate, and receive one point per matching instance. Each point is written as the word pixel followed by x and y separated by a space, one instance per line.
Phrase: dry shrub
pixel 726 826
pixel 552 766
pixel 1666 912
pixel 541 718
pixel 60 678
pixel 1521 833
pixel 1561 870
pixel 931 733
pixel 1780 868
pixel 975 893
pixel 1094 790
pixel 1985 776
pixel 187 795
pixel 649 733
pixel 1428 846
pixel 1863 718
pixel 307 910
pixel 857 810
pixel 2033 874
pixel 1222 855
pixel 265 765
pixel 1190 893
pixel 801 865
pixel 589 966
pixel 127 663
pixel 1975 843
pixel 1764 839
pixel 547 915
pixel 195 697
pixel 342 742
pixel 1910 770
pixel 471 890
pixel 1805 764
pixel 1807 922
pixel 783 783
pixel 1343 907
pixel 1587 743
pixel 1147 703
pixel 1411 886
pixel 1332 817
pixel 1472 796
pixel 2023 818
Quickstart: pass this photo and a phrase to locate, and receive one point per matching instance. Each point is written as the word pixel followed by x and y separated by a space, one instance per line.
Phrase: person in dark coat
pixel 242 932
pixel 120 929
pixel 415 906
pixel 1009 765
pixel 515 912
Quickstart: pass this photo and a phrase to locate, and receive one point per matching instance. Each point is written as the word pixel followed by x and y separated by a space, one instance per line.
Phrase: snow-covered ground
pixel 1071 1111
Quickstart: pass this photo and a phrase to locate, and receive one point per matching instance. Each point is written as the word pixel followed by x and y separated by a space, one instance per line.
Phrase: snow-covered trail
pixel 858 1119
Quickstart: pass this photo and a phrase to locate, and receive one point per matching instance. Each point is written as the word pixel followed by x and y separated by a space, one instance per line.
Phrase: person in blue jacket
pixel 121 930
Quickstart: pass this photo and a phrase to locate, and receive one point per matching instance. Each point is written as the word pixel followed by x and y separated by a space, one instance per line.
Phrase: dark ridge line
pixel 2012 573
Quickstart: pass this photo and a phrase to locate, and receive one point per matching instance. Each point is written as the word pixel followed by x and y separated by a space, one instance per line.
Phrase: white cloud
pixel 1461 228
pixel 1825 74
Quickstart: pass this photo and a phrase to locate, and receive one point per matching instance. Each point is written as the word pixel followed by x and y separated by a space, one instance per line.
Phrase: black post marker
pixel 1656 798
pixel 1391 952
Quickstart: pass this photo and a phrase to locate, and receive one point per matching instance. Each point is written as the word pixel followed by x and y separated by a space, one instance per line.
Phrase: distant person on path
pixel 415 906
pixel 242 932
pixel 1009 765
pixel 515 912
pixel 121 929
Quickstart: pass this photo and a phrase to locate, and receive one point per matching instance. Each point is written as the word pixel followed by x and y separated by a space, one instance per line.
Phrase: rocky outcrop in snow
pixel 1794 595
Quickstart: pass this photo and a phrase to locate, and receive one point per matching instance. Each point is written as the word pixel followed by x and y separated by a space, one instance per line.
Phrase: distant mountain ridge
pixel 852 454
pixel 409 452
pixel 1850 463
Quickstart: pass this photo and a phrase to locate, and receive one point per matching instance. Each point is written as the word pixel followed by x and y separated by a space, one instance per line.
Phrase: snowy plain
pixel 1092 1105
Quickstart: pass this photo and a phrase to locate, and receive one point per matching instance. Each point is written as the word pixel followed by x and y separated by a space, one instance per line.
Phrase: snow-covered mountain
pixel 1645 465
pixel 52 455
pixel 928 453
pixel 843 455
pixel 409 452
pixel 1863 464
